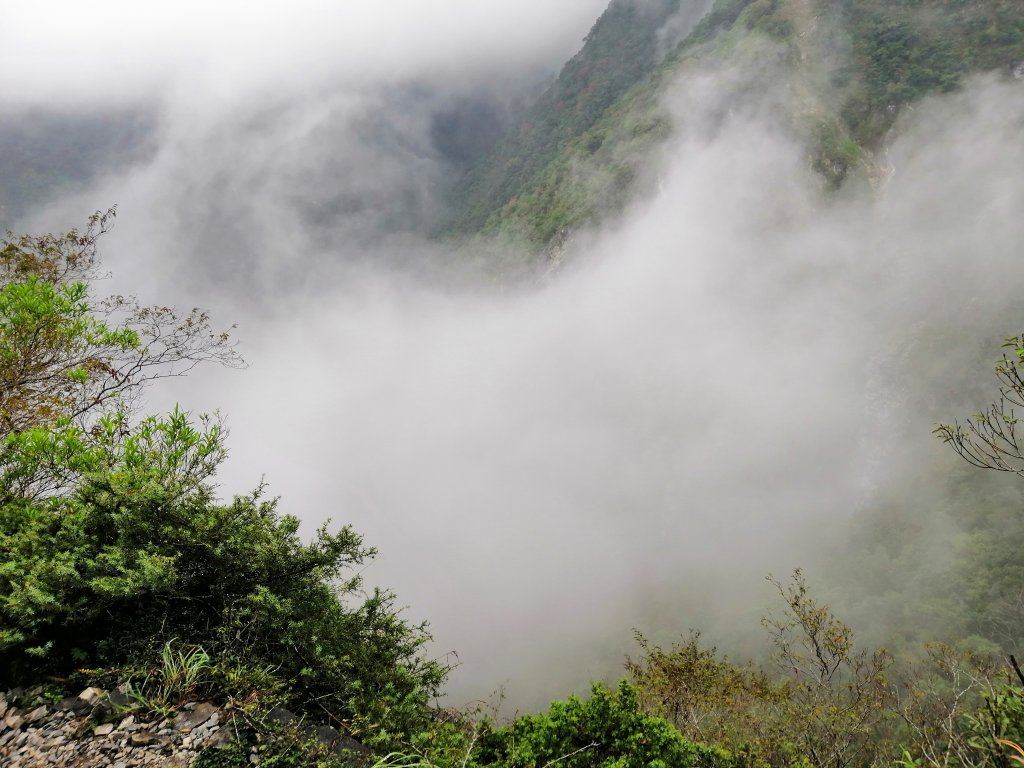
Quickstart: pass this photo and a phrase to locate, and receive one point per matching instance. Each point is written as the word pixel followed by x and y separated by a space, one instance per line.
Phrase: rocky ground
pixel 87 731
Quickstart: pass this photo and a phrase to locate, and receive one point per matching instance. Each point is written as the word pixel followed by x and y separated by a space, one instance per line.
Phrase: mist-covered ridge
pixel 566 325
pixel 851 67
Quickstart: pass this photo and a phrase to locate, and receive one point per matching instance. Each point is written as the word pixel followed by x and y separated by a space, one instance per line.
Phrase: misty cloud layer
pixel 705 395
pixel 219 56
pixel 708 391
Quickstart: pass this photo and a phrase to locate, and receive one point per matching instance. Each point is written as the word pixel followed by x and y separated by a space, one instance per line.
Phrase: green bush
pixel 139 553
pixel 607 730
pixel 113 545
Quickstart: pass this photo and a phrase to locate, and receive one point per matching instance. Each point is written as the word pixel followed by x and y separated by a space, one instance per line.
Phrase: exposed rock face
pixel 36 734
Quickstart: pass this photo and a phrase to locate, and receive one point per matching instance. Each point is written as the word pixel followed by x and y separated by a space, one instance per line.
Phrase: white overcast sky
pixel 61 52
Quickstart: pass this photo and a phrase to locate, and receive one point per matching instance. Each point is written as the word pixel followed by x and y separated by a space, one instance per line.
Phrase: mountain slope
pixel 45 153
pixel 623 47
pixel 851 66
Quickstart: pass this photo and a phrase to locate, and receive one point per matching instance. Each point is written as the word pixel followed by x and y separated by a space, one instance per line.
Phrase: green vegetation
pixel 990 439
pixel 819 698
pixel 578 154
pixel 120 565
pixel 619 51
pixel 115 551
pixel 609 730
pixel 905 49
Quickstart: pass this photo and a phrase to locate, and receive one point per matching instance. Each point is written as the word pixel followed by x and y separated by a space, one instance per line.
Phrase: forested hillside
pixel 46 154
pixel 853 68
pixel 737 483
pixel 621 50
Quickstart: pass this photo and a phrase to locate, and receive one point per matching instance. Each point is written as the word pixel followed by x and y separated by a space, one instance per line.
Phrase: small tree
pixel 829 703
pixel 952 704
pixel 65 355
pixel 837 703
pixel 990 439
pixel 705 696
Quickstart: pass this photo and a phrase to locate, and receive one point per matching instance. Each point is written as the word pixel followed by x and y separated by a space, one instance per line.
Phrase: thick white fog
pixel 707 391
pixel 218 56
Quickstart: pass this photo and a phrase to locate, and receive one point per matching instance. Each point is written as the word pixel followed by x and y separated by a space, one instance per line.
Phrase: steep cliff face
pixel 844 70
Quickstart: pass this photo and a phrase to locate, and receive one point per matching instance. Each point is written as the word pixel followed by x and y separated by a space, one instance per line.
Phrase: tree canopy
pixel 68 355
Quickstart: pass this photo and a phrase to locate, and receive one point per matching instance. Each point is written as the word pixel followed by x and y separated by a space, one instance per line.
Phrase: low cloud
pixel 711 389
pixel 221 55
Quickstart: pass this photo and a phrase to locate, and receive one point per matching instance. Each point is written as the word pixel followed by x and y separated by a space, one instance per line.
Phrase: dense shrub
pixel 608 730
pixel 113 544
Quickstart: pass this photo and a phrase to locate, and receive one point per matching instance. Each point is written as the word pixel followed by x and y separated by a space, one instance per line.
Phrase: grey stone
pixel 60 738
pixel 118 699
pixel 337 742
pixel 281 716
pixel 199 714
pixel 222 739
pixel 91 696
pixel 146 739
pixel 102 710
pixel 326 735
pixel 348 744
pixel 74 705
pixel 36 714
